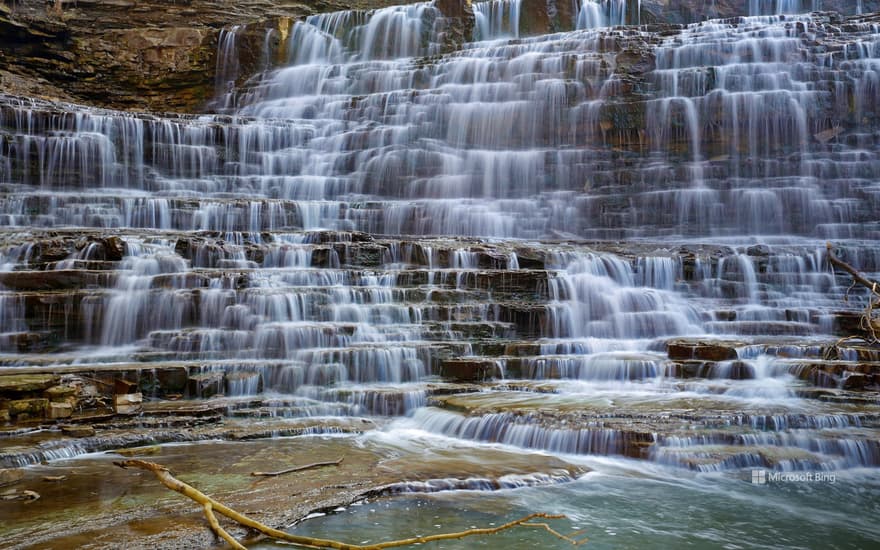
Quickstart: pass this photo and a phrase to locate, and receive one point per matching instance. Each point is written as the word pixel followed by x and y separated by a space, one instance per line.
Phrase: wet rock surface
pixel 145 514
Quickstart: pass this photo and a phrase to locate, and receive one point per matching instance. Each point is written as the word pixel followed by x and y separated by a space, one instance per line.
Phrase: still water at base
pixel 625 505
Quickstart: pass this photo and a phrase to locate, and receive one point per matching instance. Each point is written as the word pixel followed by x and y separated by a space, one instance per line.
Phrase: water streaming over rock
pixel 380 214
pixel 496 19
pixel 604 13
pixel 774 7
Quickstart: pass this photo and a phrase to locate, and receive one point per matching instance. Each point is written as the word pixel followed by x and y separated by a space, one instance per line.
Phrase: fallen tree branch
pixel 219 531
pixel 867 323
pixel 873 286
pixel 209 506
pixel 299 468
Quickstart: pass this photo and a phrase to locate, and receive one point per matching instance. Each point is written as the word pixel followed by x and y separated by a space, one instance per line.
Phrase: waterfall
pixel 488 141
pixel 616 233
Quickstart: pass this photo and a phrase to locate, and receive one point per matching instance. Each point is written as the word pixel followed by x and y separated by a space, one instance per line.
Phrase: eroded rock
pixel 78 431
pixel 128 403
pixel 30 408
pixel 8 476
pixel 470 370
pixel 714 350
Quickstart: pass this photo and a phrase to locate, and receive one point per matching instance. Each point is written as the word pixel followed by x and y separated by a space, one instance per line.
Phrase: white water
pixel 369 128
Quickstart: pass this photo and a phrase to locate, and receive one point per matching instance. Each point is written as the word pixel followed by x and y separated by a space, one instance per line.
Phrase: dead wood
pixel 868 322
pixel 299 468
pixel 209 506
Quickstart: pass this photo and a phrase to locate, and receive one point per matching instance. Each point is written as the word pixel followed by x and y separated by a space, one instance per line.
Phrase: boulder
pixel 760 250
pixel 60 410
pixel 60 394
pixel 205 384
pixel 78 431
pixel 855 381
pixel 172 379
pixel 30 408
pixel 710 350
pixel 128 403
pixel 121 386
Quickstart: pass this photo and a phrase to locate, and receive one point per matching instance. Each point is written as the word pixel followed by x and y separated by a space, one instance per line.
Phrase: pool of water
pixel 622 504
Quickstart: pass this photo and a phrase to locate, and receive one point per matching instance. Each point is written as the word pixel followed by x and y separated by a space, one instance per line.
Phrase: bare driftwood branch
pixel 209 506
pixel 873 286
pixel 868 323
pixel 219 531
pixel 299 468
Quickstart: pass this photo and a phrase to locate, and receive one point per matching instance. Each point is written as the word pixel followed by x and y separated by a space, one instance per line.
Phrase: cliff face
pixel 154 54
pixel 161 55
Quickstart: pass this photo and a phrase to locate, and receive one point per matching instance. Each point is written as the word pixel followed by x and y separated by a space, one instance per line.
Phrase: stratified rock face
pixel 159 54
pixel 125 54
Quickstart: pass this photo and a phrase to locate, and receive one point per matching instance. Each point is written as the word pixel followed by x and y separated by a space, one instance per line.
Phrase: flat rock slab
pixel 8 476
pixel 25 383
pixel 144 514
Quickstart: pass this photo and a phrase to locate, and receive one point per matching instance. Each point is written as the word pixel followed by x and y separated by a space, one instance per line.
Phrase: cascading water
pixel 497 19
pixel 228 69
pixel 773 7
pixel 376 214
pixel 604 13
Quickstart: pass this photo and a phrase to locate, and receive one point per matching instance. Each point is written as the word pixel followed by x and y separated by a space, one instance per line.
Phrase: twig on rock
pixel 299 468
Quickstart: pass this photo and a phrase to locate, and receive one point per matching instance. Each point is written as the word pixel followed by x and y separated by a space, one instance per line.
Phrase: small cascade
pixel 134 308
pixel 776 7
pixel 594 14
pixel 596 296
pixel 386 33
pixel 511 481
pixel 12 321
pixel 496 19
pixel 522 432
pixel 227 71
